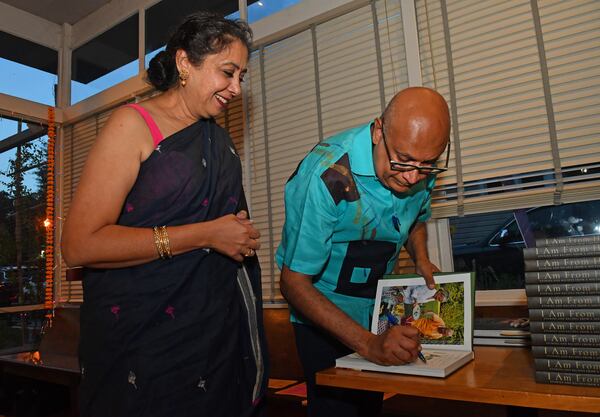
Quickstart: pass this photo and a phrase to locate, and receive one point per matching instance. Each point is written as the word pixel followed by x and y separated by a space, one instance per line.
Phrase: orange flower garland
pixel 49 222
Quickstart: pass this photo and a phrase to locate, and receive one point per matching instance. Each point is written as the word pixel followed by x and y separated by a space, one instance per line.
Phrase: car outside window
pixel 491 244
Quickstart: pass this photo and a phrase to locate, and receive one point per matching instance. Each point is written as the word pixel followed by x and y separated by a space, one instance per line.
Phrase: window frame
pixel 278 26
pixel 7 144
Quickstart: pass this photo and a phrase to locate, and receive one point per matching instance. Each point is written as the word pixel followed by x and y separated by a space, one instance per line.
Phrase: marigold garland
pixel 49 222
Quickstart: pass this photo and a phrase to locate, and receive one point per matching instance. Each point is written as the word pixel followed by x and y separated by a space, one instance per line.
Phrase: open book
pixel 443 316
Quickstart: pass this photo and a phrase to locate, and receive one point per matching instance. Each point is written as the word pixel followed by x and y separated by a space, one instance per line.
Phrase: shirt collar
pixel 361 153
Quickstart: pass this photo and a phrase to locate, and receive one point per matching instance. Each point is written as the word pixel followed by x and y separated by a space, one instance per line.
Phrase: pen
pixel 394 321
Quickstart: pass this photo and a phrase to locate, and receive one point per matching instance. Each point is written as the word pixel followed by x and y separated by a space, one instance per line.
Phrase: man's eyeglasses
pixel 405 166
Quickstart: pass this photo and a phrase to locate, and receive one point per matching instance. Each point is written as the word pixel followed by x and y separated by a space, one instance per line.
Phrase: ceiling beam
pixel 105 18
pixel 20 108
pixel 299 17
pixel 121 93
pixel 30 27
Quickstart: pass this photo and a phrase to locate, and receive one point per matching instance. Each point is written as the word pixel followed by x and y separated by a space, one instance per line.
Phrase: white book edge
pixel 497 341
pixel 459 358
pixel 516 334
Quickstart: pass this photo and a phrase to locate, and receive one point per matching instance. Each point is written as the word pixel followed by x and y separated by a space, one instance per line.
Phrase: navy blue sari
pixel 176 337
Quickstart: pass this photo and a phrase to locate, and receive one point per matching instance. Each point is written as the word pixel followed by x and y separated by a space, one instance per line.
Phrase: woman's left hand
pixel 234 236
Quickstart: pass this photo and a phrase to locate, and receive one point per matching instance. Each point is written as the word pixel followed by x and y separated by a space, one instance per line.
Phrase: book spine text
pixel 565 301
pixel 559 339
pixel 567 365
pixel 581 327
pixel 578 288
pixel 563 251
pixel 551 277
pixel 562 264
pixel 569 240
pixel 567 352
pixel 564 314
pixel 566 378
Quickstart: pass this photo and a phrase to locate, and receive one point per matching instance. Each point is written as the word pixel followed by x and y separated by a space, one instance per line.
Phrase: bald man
pixel 352 203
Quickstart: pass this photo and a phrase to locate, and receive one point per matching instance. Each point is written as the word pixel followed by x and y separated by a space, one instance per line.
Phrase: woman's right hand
pixel 235 236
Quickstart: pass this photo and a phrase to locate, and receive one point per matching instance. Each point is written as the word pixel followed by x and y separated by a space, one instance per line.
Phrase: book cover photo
pixel 443 316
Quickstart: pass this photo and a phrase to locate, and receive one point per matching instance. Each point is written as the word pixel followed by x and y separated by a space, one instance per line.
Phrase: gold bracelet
pixel 165 242
pixel 158 242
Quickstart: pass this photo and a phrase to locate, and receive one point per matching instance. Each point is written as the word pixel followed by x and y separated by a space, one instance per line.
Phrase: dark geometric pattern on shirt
pixel 339 181
pixel 324 145
pixel 365 254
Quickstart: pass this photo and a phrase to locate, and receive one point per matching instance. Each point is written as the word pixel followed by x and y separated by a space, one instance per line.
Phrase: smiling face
pixel 211 85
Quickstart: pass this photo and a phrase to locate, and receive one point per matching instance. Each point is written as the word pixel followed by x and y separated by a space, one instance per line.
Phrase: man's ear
pixel 376 131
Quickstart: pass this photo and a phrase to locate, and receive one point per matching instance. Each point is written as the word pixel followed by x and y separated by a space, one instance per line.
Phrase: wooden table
pixel 498 375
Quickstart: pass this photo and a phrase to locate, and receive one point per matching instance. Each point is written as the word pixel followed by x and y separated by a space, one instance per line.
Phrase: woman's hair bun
pixel 201 34
pixel 162 71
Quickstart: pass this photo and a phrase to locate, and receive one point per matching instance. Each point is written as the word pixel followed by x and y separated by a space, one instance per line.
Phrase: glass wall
pixel 28 69
pixel 491 244
pixel 22 236
pixel 163 17
pixel 20 331
pixel 258 10
pixel 106 60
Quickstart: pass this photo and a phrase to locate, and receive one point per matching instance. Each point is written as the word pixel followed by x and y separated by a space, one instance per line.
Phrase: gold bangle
pixel 165 242
pixel 158 242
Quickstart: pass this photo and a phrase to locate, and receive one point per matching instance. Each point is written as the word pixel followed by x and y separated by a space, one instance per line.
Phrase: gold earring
pixel 183 76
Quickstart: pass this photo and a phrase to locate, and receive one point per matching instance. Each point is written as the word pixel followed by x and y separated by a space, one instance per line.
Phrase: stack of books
pixel 501 331
pixel 562 282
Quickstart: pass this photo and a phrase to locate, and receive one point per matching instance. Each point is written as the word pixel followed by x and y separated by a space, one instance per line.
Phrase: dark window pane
pixel 258 10
pixel 28 69
pixel 164 17
pixel 22 214
pixel 491 244
pixel 107 52
pixel 106 60
pixel 20 332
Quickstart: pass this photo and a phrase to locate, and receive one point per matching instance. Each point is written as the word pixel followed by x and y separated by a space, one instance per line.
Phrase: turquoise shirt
pixel 342 226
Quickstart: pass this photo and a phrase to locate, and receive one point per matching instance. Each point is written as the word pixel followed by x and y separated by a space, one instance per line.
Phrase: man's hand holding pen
pixel 398 345
pixel 394 321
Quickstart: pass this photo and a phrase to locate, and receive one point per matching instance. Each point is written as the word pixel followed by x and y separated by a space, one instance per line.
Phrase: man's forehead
pixel 415 148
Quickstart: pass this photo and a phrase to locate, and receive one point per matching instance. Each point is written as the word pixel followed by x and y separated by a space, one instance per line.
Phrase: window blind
pixel 571 31
pixel 324 79
pixel 283 129
pixel 77 142
pixel 521 79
